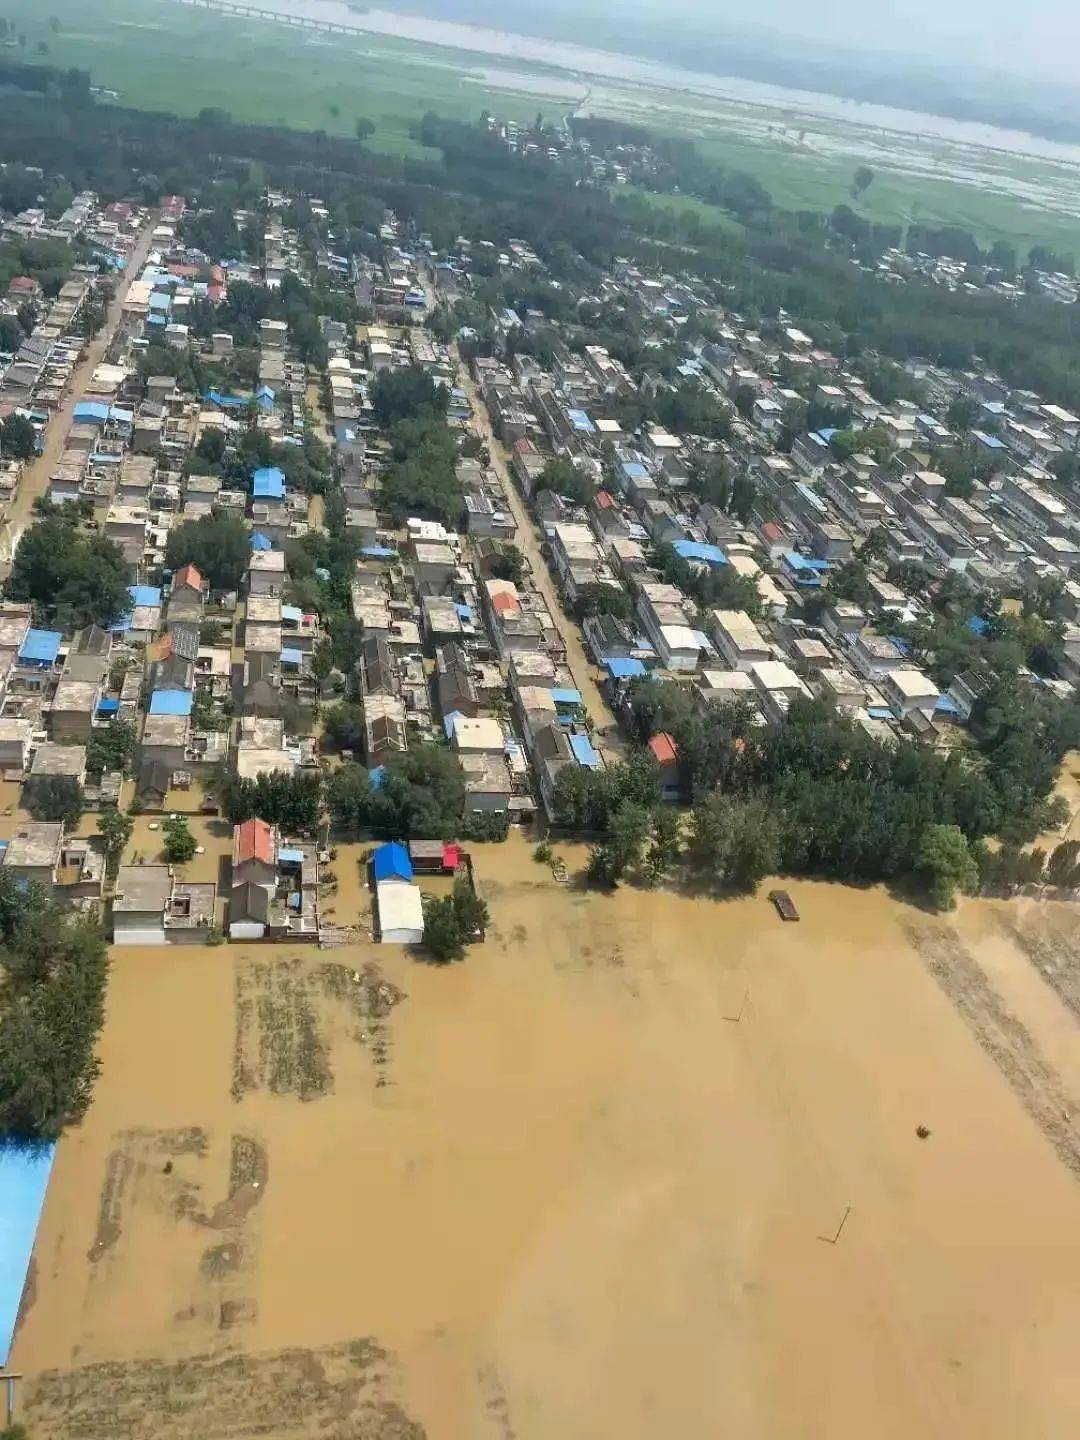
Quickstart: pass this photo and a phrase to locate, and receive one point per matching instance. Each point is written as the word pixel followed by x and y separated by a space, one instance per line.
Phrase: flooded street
pixel 584 1184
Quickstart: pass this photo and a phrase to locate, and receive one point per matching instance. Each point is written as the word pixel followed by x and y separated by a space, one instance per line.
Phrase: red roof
pixel 254 840
pixel 24 282
pixel 663 748
pixel 603 500
pixel 504 603
pixel 188 576
pixel 215 292
pixel 450 856
pixel 217 274
pixel 525 446
pixel 772 531
pixel 184 272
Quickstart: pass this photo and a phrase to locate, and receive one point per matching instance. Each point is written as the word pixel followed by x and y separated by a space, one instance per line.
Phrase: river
pixel 587 63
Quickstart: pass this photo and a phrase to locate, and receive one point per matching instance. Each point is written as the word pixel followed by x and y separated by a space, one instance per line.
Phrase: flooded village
pixel 432 599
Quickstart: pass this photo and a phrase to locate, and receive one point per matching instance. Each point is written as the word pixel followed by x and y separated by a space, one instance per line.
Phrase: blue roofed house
pixel 392 862
pixel 41 648
pixel 268 483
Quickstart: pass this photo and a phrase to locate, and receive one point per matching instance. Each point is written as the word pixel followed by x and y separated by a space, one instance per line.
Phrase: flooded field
pixel 640 1166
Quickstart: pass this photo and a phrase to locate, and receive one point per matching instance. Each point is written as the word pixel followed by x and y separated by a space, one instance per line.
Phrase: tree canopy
pixel 217 545
pixel 71 579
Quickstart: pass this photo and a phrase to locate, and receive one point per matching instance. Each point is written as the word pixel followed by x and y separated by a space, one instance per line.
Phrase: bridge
pixel 279 17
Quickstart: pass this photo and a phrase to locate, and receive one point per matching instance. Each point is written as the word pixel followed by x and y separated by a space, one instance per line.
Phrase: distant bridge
pixel 294 22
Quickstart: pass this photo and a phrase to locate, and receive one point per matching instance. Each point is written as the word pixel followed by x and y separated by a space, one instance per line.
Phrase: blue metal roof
pixel 171 702
pixel 625 669
pixel 24 1178
pixel 90 412
pixel 269 483
pixel 694 550
pixel 566 697
pixel 225 402
pixel 108 707
pixel 377 552
pixel 391 862
pixel 41 646
pixel 584 753
pixel 290 856
pixel 260 542
pixel 145 594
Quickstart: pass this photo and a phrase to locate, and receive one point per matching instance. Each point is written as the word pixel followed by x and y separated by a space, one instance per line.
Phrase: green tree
pixel 863 179
pixel 343 727
pixel 110 747
pixel 946 865
pixel 509 564
pixel 71 579
pixel 18 438
pixel 54 797
pixel 217 545
pixel 407 394
pixel 445 937
pixel 115 828
pixel 472 913
pixel 665 846
pixel 364 128
pixel 179 841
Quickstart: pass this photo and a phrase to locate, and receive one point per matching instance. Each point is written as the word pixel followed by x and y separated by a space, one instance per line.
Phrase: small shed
pixel 433 857
pixel 400 910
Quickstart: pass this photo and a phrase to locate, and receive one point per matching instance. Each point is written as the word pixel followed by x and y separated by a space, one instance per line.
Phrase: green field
pixel 164 56
pixel 160 55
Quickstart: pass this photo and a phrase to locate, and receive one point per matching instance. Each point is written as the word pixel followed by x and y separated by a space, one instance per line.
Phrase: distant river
pixel 607 65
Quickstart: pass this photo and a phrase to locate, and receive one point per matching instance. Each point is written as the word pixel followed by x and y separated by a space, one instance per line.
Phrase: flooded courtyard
pixel 641 1165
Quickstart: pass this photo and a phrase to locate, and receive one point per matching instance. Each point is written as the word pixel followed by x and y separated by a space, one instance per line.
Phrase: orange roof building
pixel 188 576
pixel 663 748
pixel 253 840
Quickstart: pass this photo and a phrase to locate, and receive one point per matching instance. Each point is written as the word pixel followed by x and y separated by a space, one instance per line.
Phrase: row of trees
pixel 55 971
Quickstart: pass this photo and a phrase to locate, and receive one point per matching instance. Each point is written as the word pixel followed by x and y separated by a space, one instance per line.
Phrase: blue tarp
pixel 292 657
pixel 624 669
pixel 145 594
pixel 108 707
pixel 377 776
pixel 391 862
pixel 268 483
pixel 171 702
pixel 449 721
pixel 293 613
pixel 378 552
pixel 259 541
pixel 977 625
pixel 584 753
pixel 24 1177
pixel 41 647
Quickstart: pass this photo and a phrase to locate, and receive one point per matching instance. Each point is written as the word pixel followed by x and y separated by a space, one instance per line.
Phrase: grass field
pixel 163 56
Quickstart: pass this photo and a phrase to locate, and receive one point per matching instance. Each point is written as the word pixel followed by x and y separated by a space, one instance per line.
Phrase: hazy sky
pixel 1039 37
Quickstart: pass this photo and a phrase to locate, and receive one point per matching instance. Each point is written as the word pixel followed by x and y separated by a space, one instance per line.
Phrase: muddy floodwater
pixel 641 1166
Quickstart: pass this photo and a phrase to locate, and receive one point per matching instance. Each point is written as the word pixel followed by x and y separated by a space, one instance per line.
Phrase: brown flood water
pixel 582 1185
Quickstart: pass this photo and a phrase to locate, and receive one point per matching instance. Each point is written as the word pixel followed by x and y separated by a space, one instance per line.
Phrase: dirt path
pixel 34 480
pixel 611 743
